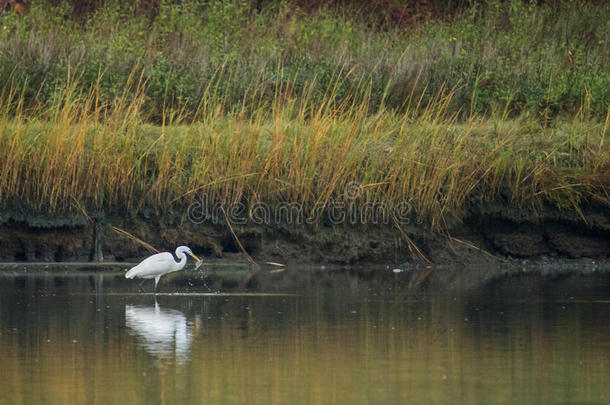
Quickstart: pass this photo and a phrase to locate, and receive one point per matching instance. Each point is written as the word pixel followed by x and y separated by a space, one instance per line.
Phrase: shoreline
pixel 488 234
pixel 571 280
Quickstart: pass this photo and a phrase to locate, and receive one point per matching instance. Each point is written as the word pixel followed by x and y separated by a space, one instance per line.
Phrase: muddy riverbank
pixel 486 234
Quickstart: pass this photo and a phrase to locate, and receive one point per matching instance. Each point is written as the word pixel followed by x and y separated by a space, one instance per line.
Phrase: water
pixel 304 337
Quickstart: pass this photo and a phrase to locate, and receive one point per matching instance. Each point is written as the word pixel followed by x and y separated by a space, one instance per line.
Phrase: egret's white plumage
pixel 159 264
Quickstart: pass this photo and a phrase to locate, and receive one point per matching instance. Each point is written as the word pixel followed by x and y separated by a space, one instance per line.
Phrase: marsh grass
pixel 79 153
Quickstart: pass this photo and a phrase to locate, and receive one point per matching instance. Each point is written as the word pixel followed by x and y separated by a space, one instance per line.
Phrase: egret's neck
pixel 181 260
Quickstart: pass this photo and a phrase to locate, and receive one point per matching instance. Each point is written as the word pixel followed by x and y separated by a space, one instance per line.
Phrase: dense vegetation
pixel 504 55
pixel 120 110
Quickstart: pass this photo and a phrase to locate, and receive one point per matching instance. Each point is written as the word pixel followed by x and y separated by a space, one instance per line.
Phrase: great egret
pixel 159 264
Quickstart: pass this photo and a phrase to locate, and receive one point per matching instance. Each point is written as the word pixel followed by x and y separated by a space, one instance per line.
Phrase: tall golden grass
pixel 77 152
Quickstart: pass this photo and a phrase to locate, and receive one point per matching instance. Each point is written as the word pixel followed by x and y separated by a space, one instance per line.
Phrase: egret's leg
pixel 157 282
pixel 140 284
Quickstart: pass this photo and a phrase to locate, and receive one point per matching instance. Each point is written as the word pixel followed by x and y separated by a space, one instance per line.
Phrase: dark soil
pixel 487 234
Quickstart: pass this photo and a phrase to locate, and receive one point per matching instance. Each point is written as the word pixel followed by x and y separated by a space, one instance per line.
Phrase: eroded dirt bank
pixel 486 234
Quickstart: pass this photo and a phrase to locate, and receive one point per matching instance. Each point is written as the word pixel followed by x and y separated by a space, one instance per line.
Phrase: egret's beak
pixel 195 257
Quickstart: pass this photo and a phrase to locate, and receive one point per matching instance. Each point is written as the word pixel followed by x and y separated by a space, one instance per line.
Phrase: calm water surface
pixel 289 338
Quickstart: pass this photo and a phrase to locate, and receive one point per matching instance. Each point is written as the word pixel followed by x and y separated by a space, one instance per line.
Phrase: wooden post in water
pixel 98 238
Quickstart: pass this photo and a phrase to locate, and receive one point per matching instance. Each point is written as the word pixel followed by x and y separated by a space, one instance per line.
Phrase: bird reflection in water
pixel 164 333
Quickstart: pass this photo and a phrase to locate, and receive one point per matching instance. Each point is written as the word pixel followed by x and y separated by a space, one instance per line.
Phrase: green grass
pixel 542 60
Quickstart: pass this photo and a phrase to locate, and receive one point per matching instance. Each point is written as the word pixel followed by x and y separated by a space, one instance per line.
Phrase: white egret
pixel 159 264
